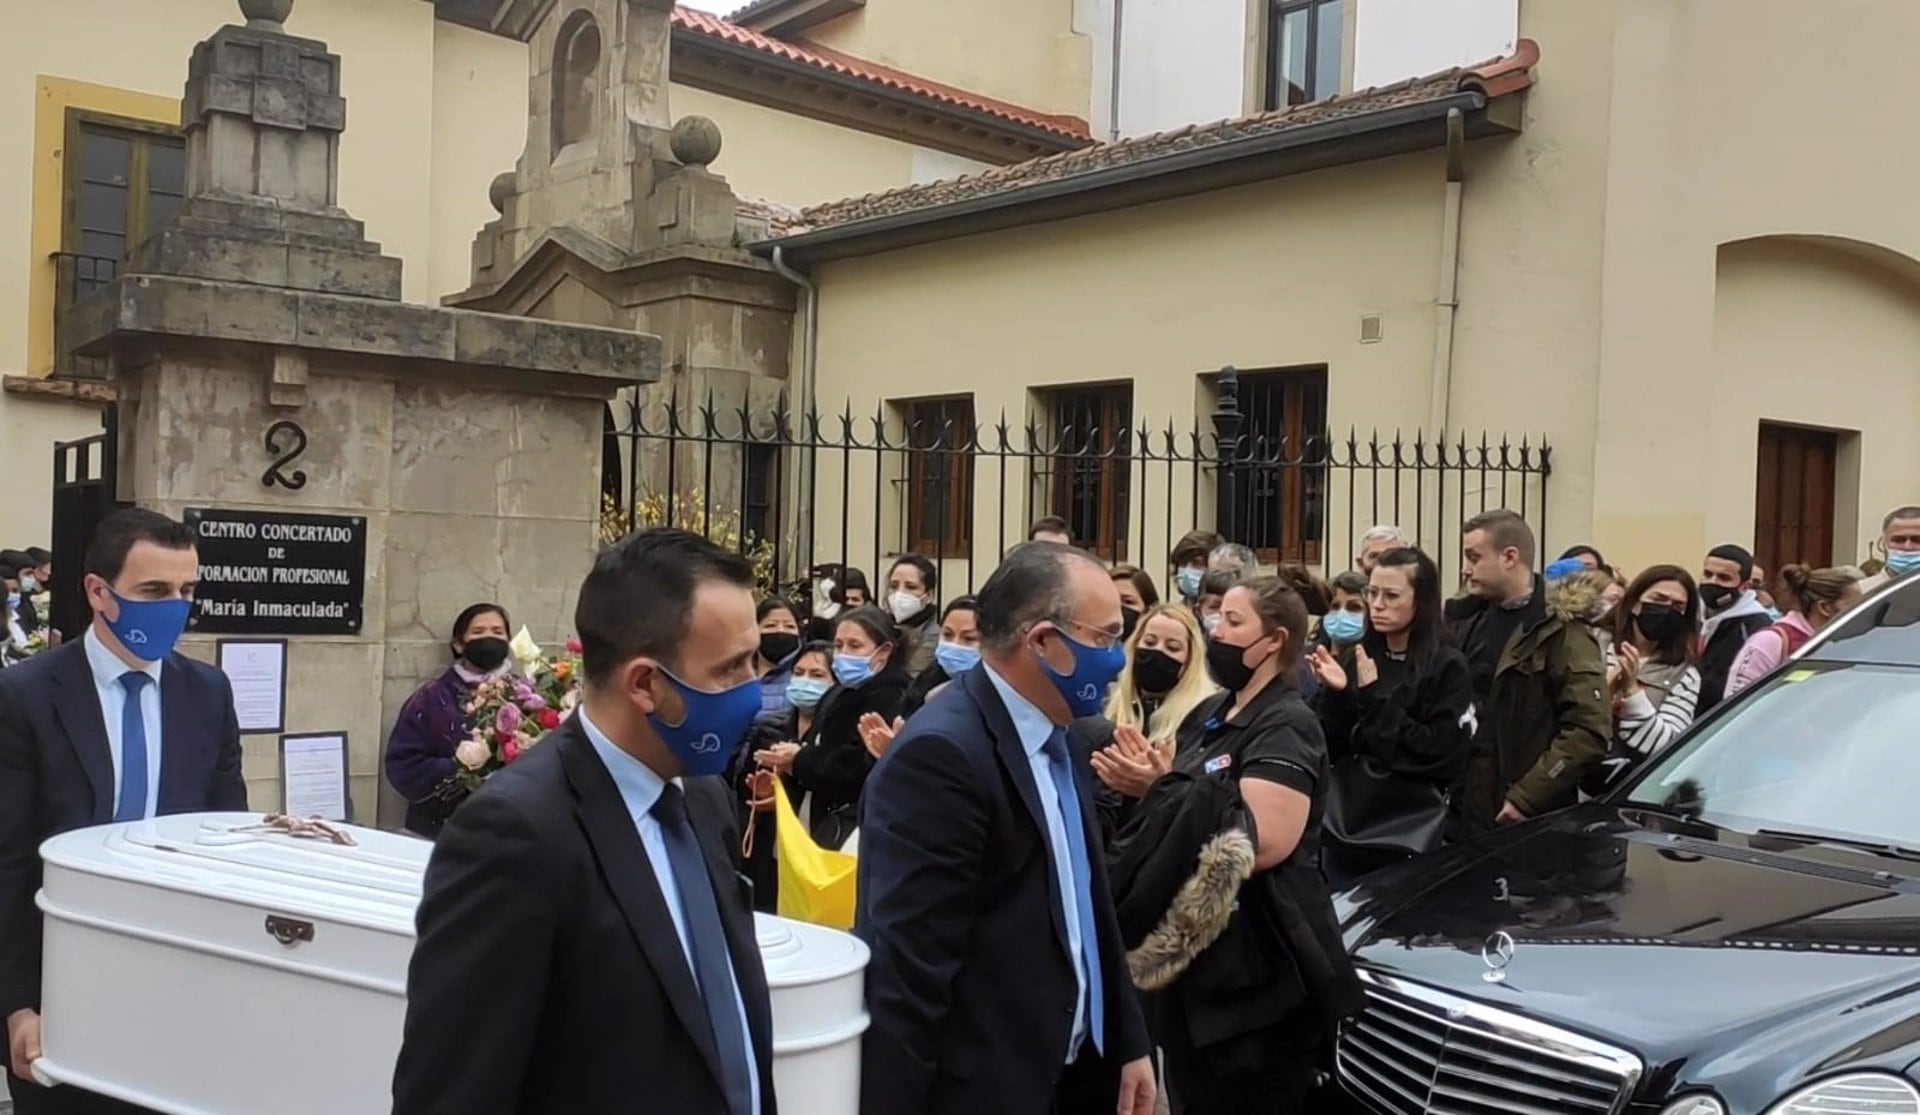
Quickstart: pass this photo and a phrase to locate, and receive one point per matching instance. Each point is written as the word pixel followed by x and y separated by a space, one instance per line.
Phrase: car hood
pixel 1704 956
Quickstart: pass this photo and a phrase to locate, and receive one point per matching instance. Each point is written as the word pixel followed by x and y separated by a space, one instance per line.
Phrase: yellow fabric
pixel 816 885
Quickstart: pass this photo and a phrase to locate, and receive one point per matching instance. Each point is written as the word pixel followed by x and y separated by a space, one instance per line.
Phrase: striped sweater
pixel 1661 709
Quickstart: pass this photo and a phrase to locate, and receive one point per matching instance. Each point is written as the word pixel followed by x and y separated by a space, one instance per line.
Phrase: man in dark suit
pixel 584 943
pixel 998 981
pixel 113 726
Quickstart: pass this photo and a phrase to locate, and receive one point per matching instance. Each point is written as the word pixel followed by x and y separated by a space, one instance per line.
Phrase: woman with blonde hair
pixel 1817 596
pixel 1166 678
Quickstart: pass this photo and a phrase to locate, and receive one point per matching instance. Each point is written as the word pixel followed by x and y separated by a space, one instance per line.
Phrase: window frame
pixel 1277 11
pixel 1108 465
pixel 921 532
pixel 142 136
pixel 1300 484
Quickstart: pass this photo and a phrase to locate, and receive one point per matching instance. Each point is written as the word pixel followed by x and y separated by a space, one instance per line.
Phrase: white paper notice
pixel 315 775
pixel 258 672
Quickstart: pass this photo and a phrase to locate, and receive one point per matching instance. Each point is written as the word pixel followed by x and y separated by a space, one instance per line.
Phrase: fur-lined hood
pixel 1199 913
pixel 1576 597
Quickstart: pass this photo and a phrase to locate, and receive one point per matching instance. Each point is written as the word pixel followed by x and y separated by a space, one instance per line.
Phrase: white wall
pixel 1398 39
pixel 1181 62
pixel 932 166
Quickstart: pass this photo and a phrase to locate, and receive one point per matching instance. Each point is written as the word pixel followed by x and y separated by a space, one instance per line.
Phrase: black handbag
pixel 1369 806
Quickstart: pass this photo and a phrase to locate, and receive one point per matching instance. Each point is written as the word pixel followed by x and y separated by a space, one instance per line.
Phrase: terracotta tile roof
pixel 1493 79
pixel 846 65
pixel 780 219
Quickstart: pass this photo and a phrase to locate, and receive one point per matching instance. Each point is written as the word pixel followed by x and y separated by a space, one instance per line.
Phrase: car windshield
pixel 1825 749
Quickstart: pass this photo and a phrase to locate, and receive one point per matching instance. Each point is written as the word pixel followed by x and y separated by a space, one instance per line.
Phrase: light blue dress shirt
pixel 640 788
pixel 1035 729
pixel 107 668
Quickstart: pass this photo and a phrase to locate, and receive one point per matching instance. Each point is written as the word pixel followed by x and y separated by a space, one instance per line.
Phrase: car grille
pixel 1416 1051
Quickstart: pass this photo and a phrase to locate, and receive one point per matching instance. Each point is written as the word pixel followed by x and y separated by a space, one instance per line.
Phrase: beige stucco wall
pixel 1596 303
pixel 1023 51
pixel 28 429
pixel 798 161
pixel 1713 147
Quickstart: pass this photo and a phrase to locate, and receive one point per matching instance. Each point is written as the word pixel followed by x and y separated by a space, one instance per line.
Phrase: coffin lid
pixel 374 883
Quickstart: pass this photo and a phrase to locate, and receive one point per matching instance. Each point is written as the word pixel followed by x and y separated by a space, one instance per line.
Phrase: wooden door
pixel 1794 496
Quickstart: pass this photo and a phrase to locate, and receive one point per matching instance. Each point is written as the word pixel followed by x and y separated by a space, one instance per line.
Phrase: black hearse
pixel 1733 931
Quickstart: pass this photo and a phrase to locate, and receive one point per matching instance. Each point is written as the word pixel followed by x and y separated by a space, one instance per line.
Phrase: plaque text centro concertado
pixel 270 573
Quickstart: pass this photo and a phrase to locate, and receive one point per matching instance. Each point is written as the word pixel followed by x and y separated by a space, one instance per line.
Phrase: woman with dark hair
pixel 913 586
pixel 1398 720
pixel 1345 623
pixel 810 679
pixel 830 764
pixel 1652 669
pixel 779 644
pixel 956 651
pixel 433 722
pixel 1242 1011
pixel 1137 590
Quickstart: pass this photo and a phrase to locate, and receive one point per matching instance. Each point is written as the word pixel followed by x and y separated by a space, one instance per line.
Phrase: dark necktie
pixel 1081 884
pixel 707 942
pixel 133 750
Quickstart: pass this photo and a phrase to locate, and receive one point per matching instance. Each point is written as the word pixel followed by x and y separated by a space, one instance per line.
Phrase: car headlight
pixel 1695 1105
pixel 1859 1093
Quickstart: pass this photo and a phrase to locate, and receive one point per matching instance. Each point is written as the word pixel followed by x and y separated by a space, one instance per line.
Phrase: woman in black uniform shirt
pixel 1244 1027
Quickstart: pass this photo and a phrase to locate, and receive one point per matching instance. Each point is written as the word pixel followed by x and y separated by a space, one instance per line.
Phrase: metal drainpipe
pixel 1113 77
pixel 809 362
pixel 1439 411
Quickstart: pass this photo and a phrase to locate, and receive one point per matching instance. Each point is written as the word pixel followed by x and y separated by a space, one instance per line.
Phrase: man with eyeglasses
pixel 998 980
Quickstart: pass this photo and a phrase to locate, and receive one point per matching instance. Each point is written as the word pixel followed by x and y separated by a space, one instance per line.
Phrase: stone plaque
pixel 269 573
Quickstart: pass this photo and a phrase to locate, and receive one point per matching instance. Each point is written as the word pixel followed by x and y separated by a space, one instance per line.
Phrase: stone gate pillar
pixel 269 374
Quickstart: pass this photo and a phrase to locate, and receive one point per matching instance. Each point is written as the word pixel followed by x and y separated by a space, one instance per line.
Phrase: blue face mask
pixel 852 670
pixel 703 742
pixel 149 628
pixel 1343 628
pixel 1188 580
pixel 805 693
pixel 956 659
pixel 1094 669
pixel 1902 562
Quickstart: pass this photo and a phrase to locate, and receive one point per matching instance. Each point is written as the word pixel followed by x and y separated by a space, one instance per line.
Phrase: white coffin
pixel 162 962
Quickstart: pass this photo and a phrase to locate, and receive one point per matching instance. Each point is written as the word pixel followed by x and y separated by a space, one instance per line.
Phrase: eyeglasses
pixel 1103 638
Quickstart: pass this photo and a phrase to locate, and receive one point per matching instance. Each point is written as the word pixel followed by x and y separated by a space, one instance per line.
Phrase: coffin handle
pixel 289 931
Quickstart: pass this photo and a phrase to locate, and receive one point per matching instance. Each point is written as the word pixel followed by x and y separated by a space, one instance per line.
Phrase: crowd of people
pixel 27 575
pixel 1169 787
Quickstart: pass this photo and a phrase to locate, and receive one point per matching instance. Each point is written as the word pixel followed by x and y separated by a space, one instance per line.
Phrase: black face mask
pixel 1228 665
pixel 485 655
pixel 1716 597
pixel 1155 673
pixel 778 646
pixel 1660 622
pixel 1129 619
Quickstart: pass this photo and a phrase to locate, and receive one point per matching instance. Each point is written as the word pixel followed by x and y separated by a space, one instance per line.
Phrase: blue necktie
pixel 1081 884
pixel 707 941
pixel 133 750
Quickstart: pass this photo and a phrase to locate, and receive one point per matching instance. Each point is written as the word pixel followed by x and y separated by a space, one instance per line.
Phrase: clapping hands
pixel 1132 763
pixel 877 734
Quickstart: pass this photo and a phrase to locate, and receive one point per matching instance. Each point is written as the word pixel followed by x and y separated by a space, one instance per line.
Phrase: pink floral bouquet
pixel 508 715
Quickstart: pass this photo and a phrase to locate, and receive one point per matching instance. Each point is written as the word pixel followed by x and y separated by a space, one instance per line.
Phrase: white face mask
pixel 905 605
pixel 1210 623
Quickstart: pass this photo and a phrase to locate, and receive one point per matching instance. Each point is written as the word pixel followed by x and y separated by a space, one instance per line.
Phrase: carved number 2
pixel 297 444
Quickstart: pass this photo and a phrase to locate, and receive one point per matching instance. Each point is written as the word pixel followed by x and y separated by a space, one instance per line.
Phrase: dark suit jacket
pixel 56 775
pixel 548 977
pixel 971 989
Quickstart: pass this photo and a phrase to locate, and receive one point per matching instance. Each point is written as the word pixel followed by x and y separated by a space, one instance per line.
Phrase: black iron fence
pixel 797 490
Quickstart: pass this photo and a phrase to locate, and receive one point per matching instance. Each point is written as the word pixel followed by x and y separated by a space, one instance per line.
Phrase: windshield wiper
pixel 1857 843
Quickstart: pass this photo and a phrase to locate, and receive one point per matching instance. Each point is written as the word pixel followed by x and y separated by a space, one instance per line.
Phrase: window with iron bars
pixel 1281 480
pixel 940 446
pixel 1085 474
pixel 123 179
